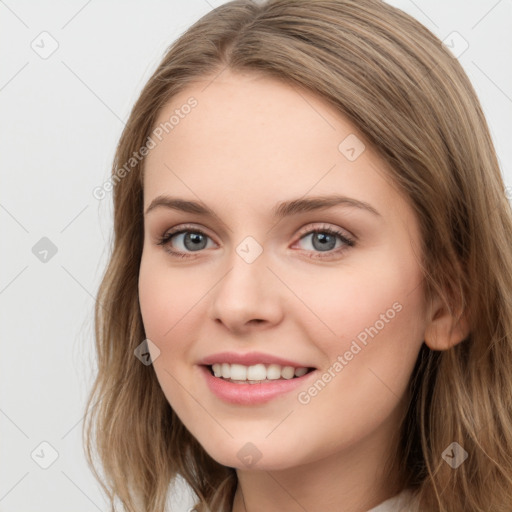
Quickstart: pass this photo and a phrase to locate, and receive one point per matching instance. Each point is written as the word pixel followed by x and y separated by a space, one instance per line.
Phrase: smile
pixel 257 373
pixel 256 390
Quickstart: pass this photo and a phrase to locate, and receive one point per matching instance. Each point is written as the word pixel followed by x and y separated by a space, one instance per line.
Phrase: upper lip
pixel 249 359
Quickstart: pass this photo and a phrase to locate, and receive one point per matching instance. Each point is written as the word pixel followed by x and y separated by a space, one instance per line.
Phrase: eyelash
pixel 166 238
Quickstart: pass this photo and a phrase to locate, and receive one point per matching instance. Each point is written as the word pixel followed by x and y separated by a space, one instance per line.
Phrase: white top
pixel 402 502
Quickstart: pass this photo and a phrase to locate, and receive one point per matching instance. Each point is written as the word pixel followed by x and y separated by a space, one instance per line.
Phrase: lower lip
pixel 250 394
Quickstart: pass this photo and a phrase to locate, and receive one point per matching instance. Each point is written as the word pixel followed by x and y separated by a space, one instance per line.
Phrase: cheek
pixel 375 320
pixel 166 302
pixel 165 297
pixel 381 294
pixel 369 361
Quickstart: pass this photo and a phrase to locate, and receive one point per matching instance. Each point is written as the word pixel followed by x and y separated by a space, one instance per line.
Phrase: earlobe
pixel 445 330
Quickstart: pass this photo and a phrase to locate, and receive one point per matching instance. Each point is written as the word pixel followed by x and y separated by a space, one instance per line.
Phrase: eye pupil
pixel 195 238
pixel 323 240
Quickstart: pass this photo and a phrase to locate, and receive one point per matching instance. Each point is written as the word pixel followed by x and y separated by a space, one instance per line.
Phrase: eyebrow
pixel 280 210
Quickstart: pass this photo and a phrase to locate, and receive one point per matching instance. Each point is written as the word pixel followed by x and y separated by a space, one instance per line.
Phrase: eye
pixel 193 240
pixel 323 240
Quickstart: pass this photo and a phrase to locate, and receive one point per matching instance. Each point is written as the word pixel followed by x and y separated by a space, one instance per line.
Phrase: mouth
pixel 254 378
pixel 256 374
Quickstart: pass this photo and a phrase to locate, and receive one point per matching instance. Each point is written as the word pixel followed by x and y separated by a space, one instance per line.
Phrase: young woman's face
pixel 254 277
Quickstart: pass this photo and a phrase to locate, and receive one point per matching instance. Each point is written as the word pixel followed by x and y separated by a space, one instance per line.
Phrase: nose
pixel 248 296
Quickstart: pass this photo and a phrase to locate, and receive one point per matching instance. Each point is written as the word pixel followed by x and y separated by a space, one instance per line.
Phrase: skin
pixel 251 142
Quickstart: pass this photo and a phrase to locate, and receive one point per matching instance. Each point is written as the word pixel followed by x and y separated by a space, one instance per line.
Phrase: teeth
pixel 238 372
pixel 288 372
pixel 257 372
pixel 226 370
pixel 299 372
pixel 273 372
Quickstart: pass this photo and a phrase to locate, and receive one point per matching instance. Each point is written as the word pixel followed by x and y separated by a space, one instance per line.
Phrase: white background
pixel 61 119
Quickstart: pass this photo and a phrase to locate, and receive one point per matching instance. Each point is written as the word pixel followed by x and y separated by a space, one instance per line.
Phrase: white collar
pixel 402 502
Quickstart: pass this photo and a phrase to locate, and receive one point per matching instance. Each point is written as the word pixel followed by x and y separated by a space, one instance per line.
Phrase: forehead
pixel 246 113
pixel 252 139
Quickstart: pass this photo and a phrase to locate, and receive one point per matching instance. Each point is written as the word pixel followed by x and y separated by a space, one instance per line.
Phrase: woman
pixel 334 160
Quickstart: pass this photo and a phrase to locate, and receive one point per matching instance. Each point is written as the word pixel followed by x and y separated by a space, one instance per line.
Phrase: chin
pixel 258 455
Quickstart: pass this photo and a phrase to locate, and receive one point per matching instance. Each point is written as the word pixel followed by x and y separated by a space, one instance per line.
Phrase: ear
pixel 445 330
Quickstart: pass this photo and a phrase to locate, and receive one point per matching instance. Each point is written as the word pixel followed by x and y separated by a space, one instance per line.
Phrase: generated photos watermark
pixel 157 135
pixel 342 360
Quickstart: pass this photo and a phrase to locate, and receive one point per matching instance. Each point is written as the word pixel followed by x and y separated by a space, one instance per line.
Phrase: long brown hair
pixel 395 81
